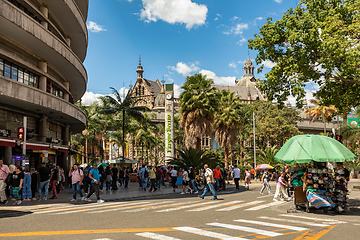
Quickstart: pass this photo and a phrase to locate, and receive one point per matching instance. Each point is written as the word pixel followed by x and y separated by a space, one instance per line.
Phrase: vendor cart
pixel 320 187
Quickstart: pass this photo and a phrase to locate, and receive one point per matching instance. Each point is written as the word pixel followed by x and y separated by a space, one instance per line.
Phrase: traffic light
pixel 339 138
pixel 21 133
pixel 28 136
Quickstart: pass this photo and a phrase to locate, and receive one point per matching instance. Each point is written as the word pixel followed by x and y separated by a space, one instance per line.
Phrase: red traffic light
pixel 21 133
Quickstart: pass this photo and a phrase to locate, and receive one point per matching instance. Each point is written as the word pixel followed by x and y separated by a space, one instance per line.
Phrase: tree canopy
pixel 310 43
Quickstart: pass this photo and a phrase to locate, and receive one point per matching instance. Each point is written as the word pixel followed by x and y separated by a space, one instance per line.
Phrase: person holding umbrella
pixel 265 181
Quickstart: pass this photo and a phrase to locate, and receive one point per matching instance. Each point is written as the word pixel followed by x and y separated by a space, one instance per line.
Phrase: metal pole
pixel 86 152
pixel 24 137
pixel 254 140
pixel 123 135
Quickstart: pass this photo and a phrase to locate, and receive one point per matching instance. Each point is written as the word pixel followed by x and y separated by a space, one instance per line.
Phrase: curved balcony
pixel 31 35
pixel 30 99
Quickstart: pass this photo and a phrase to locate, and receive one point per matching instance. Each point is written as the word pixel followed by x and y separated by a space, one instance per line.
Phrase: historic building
pixel 154 95
pixel 43 44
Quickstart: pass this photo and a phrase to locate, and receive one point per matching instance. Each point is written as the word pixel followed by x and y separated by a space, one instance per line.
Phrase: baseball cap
pixel 95 164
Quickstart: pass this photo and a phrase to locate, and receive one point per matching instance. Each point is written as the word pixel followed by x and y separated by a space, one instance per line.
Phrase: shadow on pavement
pixel 13 213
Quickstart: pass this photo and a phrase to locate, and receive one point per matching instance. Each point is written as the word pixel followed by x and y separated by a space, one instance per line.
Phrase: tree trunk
pixel 324 125
pixel 226 154
pixel 198 143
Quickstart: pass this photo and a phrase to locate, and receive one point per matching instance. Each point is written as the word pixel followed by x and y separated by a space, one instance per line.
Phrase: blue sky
pixel 175 38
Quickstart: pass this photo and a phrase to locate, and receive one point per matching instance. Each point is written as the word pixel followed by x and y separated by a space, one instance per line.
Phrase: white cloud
pixel 177 91
pixel 268 64
pixel 218 80
pixel 278 1
pixel 217 17
pixel 232 65
pixel 174 11
pixel 94 27
pixel 259 18
pixel 185 69
pixel 89 98
pixel 241 41
pixel 238 29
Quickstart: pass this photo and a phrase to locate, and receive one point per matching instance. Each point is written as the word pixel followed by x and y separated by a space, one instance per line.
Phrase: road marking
pixel 183 207
pixel 264 196
pixel 162 206
pixel 100 207
pixel 156 236
pixel 295 221
pixel 246 229
pixel 85 206
pixel 103 239
pixel 272 225
pixel 313 234
pixel 147 206
pixel 264 206
pixel 239 206
pixel 114 207
pixel 214 206
pixel 330 221
pixel 208 233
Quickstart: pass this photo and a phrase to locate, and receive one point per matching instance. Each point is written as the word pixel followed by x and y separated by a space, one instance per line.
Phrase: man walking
pixel 144 177
pixel 236 175
pixel 44 173
pixel 152 179
pixel 4 172
pixel 77 176
pixel 95 182
pixel 265 180
pixel 115 175
pixel 209 176
pixel 217 176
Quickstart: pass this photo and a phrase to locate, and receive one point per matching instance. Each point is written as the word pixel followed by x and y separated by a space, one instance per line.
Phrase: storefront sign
pixel 5 133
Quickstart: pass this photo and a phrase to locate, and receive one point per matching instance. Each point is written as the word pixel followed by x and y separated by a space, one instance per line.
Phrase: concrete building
pixel 43 44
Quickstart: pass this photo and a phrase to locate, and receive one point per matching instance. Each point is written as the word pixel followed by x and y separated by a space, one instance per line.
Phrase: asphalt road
pixel 236 215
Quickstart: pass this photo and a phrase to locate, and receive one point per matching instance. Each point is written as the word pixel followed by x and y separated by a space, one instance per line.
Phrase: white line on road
pixel 246 229
pixel 272 224
pixel 262 206
pixel 295 221
pixel 115 207
pixel 183 207
pixel 156 207
pixel 330 221
pixel 145 206
pixel 265 196
pixel 214 206
pixel 92 209
pixel 208 233
pixel 156 236
pixel 239 206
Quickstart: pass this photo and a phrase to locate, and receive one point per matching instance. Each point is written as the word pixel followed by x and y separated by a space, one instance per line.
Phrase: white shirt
pixel 173 173
pixel 185 176
pixel 236 173
pixel 208 175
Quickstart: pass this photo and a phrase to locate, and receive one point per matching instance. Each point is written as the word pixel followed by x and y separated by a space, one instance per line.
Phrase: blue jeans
pixel 76 188
pixel 217 184
pixel 158 183
pixel 41 185
pixel 211 187
pixel 26 191
pixel 144 182
pixel 121 181
pixel 192 181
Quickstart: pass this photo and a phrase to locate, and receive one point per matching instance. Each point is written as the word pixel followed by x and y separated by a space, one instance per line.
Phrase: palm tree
pixel 197 106
pixel 116 106
pixel 228 120
pixel 266 156
pixel 320 111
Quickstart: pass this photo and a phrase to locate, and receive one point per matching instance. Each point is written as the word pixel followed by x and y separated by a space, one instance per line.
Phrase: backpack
pixel 146 173
pixel 86 172
pixel 158 174
pixel 8 179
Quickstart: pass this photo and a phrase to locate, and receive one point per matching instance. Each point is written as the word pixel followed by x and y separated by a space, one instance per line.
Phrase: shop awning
pixel 61 149
pixel 36 146
pixel 5 142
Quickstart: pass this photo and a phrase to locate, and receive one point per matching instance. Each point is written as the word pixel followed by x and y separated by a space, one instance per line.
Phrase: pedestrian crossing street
pixel 166 206
pixel 243 229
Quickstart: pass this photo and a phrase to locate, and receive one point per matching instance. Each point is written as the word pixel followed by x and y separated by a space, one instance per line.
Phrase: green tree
pixel 228 120
pixel 195 158
pixel 310 43
pixel 266 156
pixel 326 113
pixel 197 104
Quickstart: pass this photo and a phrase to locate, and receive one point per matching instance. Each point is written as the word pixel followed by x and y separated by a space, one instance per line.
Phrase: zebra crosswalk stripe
pixel 155 236
pixel 183 207
pixel 330 221
pixel 208 233
pixel 295 221
pixel 166 206
pixel 150 204
pixel 272 224
pixel 213 206
pixel 264 206
pixel 114 207
pixel 83 206
pixel 246 229
pixel 239 206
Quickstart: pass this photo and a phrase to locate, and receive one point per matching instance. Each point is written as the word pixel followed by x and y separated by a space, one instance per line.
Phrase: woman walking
pixel 186 180
pixel 247 178
pixel 17 182
pixel 173 175
pixel 281 187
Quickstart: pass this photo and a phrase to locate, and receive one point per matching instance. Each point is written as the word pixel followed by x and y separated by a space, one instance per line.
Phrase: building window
pixel 56 91
pixel 17 73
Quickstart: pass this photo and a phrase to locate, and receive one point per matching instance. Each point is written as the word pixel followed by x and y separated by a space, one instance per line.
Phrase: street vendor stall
pixel 315 184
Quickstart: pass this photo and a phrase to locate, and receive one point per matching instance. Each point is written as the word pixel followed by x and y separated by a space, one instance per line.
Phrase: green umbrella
pixel 304 148
pixel 103 164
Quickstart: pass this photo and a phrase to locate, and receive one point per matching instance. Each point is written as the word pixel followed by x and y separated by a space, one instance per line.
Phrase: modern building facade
pixel 43 44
